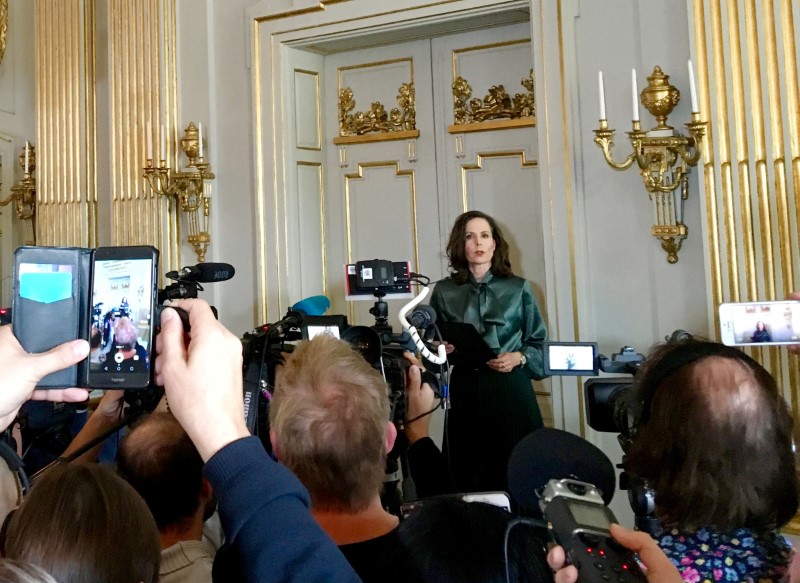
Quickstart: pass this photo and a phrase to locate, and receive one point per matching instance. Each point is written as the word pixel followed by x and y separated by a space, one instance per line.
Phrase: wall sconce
pixel 187 188
pixel 23 195
pixel 662 154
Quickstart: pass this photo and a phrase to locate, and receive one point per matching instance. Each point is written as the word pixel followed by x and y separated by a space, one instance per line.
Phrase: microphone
pixel 422 318
pixel 292 319
pixel 441 356
pixel 552 454
pixel 204 273
pixel 312 306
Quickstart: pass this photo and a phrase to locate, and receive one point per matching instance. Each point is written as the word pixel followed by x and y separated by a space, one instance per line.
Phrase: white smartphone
pixel 760 323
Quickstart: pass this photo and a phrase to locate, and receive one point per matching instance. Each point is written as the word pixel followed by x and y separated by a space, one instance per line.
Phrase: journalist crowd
pixel 193 496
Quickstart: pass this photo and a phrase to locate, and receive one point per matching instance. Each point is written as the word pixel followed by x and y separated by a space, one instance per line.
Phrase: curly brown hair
pixel 714 440
pixel 501 266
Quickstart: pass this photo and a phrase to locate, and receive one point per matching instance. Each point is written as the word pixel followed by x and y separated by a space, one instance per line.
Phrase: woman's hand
pixel 505 361
pixel 448 348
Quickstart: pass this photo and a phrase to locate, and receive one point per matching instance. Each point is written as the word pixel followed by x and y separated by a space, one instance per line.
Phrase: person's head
pixel 329 421
pixel 95 338
pixel 162 464
pixel 476 239
pixel 82 522
pixel 761 326
pixel 451 540
pixel 714 439
pixel 125 334
pixel 12 571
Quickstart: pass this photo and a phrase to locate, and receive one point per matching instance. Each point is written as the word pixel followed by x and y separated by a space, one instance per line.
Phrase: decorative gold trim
pixel 377 120
pixel 388 137
pixel 497 104
pixel 498 124
pixel 322 230
pixel 478 165
pixel 314 74
pixel 3 27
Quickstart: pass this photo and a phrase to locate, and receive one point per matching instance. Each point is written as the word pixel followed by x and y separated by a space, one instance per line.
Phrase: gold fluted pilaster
pixel 143 90
pixel 67 193
pixel 748 84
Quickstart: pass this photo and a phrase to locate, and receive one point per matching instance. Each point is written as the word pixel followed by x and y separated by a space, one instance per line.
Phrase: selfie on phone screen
pixel 121 327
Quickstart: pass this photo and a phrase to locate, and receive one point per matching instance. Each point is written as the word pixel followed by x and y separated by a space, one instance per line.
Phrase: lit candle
pixel 602 95
pixel 693 89
pixel 148 140
pixel 635 95
pixel 200 137
pixel 27 155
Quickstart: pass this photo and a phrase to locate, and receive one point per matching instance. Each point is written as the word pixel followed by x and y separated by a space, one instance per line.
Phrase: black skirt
pixel 490 413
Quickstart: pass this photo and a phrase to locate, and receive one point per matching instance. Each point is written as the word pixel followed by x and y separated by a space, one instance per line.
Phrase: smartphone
pixel 760 323
pixel 123 305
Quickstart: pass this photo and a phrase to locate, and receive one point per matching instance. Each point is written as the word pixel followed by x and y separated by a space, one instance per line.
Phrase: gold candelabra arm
pixel 604 138
pixel 697 131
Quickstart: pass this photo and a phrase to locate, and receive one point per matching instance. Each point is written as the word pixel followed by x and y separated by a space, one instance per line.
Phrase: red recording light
pixel 601 552
pixel 624 566
pixel 589 550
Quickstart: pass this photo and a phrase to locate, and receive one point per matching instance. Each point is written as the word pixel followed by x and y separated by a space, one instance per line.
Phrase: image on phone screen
pixel 121 316
pixel 761 323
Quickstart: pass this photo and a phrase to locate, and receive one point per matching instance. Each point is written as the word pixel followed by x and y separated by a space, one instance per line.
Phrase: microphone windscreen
pixel 313 306
pixel 211 272
pixel 552 454
pixel 422 317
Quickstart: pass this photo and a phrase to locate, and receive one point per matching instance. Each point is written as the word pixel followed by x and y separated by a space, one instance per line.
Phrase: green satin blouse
pixel 502 309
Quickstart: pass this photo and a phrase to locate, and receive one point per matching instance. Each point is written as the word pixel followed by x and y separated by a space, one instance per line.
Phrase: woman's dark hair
pixel 453 541
pixel 501 266
pixel 715 439
pixel 82 522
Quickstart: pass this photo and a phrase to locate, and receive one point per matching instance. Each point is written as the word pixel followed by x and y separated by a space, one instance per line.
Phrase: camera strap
pixel 252 389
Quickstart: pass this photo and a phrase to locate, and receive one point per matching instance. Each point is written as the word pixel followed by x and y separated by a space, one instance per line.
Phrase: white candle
pixel 27 155
pixel 693 89
pixel 635 95
pixel 148 140
pixel 163 143
pixel 200 137
pixel 602 95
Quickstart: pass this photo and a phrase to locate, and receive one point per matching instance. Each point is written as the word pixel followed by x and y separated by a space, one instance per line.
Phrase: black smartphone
pixel 123 305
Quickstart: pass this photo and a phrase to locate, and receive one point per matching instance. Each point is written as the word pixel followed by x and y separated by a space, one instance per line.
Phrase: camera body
pixel 579 522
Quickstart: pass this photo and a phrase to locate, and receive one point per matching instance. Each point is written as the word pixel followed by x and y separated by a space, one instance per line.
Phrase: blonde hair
pixel 330 412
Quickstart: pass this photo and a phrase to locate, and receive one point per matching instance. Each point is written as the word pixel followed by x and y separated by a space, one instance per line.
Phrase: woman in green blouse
pixel 493 403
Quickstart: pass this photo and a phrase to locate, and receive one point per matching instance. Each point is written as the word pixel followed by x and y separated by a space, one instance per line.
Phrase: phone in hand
pixel 760 323
pixel 123 305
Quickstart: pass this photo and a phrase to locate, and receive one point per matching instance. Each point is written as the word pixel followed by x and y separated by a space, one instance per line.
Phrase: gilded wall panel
pixel 748 81
pixel 66 121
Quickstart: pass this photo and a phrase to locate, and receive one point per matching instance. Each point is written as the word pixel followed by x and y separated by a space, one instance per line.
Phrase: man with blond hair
pixel 330 425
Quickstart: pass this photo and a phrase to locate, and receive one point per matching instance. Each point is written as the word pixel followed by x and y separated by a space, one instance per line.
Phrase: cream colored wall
pixel 17 124
pixel 215 88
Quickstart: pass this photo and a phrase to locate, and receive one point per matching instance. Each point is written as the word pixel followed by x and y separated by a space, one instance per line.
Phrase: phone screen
pixel 760 323
pixel 122 309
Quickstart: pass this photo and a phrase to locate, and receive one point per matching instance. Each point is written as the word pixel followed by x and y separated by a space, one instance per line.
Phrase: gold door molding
pixel 478 165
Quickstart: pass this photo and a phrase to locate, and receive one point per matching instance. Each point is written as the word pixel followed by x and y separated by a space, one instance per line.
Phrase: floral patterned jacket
pixel 741 555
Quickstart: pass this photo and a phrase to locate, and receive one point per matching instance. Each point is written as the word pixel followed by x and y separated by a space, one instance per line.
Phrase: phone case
pixel 50 306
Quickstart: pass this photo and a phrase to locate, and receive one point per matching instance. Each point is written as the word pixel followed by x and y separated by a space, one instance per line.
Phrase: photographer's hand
pixel 203 380
pixel 659 569
pixel 419 401
pixel 21 372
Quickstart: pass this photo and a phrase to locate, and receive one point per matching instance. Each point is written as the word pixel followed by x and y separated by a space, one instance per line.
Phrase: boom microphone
pixel 552 454
pixel 204 273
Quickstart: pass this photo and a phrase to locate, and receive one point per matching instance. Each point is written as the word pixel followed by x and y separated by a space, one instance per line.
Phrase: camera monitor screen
pixel 570 358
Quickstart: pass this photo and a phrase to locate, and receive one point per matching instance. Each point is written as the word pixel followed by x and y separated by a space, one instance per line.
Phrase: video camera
pixel 608 399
